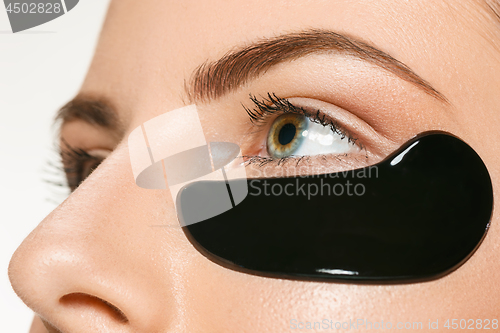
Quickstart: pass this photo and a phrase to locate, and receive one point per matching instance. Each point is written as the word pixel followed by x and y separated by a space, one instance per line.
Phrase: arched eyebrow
pixel 213 79
pixel 94 110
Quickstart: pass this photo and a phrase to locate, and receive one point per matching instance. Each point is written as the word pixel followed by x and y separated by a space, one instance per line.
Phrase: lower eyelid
pixel 258 167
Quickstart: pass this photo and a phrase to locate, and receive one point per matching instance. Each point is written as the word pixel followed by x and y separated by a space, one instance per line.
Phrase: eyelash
pixel 274 106
pixel 71 164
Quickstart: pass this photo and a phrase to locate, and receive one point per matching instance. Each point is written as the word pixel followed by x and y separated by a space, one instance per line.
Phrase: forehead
pixel 148 49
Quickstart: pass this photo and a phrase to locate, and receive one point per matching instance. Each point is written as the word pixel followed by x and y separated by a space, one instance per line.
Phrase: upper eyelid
pixel 70 152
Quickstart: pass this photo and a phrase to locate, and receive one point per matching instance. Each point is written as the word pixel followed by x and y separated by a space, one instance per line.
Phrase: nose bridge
pixel 98 260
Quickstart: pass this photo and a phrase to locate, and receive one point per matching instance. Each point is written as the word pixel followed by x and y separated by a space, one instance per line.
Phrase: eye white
pixel 321 140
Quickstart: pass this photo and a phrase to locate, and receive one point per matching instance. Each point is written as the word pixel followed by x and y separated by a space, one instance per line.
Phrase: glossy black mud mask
pixel 421 216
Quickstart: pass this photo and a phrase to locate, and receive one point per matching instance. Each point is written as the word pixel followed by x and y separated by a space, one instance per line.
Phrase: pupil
pixel 287 133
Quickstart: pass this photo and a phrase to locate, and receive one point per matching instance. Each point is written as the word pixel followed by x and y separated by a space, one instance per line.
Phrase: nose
pixel 95 264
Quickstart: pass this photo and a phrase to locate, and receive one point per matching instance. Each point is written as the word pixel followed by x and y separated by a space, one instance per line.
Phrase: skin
pixel 97 252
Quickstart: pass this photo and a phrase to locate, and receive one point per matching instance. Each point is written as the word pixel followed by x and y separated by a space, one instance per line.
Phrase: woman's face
pixel 100 263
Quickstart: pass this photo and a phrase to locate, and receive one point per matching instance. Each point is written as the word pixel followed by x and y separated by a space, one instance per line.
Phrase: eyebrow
pixel 96 111
pixel 212 80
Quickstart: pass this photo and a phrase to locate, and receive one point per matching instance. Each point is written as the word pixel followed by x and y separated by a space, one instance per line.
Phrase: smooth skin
pixel 96 264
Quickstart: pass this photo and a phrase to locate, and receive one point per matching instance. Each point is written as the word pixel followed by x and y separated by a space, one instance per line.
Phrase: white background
pixel 40 70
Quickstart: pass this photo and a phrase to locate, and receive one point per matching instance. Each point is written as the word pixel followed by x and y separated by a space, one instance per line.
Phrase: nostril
pixel 85 301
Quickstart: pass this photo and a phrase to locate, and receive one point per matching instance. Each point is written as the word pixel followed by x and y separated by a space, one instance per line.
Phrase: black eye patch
pixel 419 215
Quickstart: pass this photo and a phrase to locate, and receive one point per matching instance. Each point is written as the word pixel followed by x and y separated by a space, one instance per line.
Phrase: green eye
pixel 285 135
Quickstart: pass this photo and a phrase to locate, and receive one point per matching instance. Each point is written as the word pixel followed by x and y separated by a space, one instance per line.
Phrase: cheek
pixel 272 305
